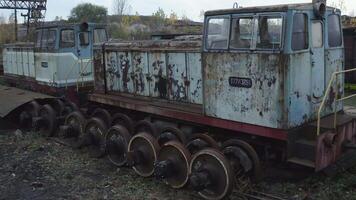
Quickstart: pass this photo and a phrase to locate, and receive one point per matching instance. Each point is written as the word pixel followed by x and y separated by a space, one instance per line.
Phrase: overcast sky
pixel 190 8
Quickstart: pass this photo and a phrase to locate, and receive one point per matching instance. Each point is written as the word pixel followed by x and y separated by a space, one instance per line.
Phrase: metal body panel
pixel 262 104
pixel 195 78
pixel 140 74
pixel 166 72
pixel 177 76
pixel 158 74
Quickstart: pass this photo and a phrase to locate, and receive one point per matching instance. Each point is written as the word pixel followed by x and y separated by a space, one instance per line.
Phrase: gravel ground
pixel 32 167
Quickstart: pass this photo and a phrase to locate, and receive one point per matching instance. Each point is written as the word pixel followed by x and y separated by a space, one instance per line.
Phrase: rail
pixel 333 79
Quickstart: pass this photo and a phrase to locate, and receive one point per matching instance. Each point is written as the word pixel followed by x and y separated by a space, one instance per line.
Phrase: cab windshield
pixel 250 32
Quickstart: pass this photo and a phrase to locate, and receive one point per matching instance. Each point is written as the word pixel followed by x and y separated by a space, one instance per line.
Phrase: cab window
pixel 218 33
pixel 269 33
pixel 241 33
pixel 300 39
pixel 100 36
pixel 67 38
pixel 334 31
pixel 51 39
pixel 46 39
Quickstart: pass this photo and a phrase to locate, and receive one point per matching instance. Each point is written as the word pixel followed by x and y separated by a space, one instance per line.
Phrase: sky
pixel 189 8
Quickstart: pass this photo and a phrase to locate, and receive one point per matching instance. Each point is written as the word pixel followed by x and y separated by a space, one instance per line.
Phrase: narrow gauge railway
pixel 264 83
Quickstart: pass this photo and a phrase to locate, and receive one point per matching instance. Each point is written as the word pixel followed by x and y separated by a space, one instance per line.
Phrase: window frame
pixel 282 33
pixel 106 35
pixel 239 16
pixel 254 37
pixel 55 39
pixel 207 32
pixel 323 33
pixel 308 25
pixel 61 39
pixel 341 32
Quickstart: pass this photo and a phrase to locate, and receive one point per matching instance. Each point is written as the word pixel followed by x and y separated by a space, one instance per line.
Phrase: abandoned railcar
pixel 262 83
pixel 61 57
pixel 267 78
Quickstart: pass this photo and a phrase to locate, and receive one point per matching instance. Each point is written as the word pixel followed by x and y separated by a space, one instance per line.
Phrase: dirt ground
pixel 32 167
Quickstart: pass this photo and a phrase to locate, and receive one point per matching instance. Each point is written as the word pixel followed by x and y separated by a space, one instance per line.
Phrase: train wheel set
pixel 195 161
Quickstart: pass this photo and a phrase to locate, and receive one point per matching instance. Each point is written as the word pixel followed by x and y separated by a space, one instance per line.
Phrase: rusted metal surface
pixel 186 112
pixel 12 98
pixel 99 70
pixel 331 144
pixel 261 103
pixel 159 69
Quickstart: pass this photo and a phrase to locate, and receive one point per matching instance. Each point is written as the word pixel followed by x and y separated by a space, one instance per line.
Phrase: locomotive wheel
pixel 59 106
pixel 211 174
pixel 142 154
pixel 70 107
pixel 116 141
pixel 173 164
pixel 30 111
pixel 95 131
pixel 171 134
pixel 145 126
pixel 46 122
pixel 73 127
pixel 201 141
pixel 123 120
pixel 102 114
pixel 243 158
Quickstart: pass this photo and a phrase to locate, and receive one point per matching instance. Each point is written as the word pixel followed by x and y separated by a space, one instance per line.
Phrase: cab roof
pixel 62 25
pixel 261 9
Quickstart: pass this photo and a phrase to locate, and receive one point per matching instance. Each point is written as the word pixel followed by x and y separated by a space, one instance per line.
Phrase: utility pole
pixel 16 31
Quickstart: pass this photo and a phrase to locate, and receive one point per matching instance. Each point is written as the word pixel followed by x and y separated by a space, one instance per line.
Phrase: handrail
pixel 322 104
pixel 79 63
pixel 81 72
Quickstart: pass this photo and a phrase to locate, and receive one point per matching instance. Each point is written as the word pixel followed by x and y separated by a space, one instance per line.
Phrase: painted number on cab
pixel 240 82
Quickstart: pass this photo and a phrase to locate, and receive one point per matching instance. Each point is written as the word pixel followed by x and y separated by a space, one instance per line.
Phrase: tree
pixel 122 7
pixel 173 18
pixel 87 12
pixel 7 31
pixel 159 17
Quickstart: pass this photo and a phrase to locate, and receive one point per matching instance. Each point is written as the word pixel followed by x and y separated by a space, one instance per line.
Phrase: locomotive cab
pixel 281 67
pixel 271 65
pixel 61 56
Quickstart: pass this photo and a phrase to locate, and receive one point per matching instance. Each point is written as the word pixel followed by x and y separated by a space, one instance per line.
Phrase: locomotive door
pixel 318 60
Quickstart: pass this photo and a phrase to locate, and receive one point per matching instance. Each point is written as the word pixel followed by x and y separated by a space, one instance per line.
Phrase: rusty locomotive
pixel 262 83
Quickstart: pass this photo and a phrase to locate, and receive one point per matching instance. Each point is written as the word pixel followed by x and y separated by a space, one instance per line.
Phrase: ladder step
pixel 303 162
